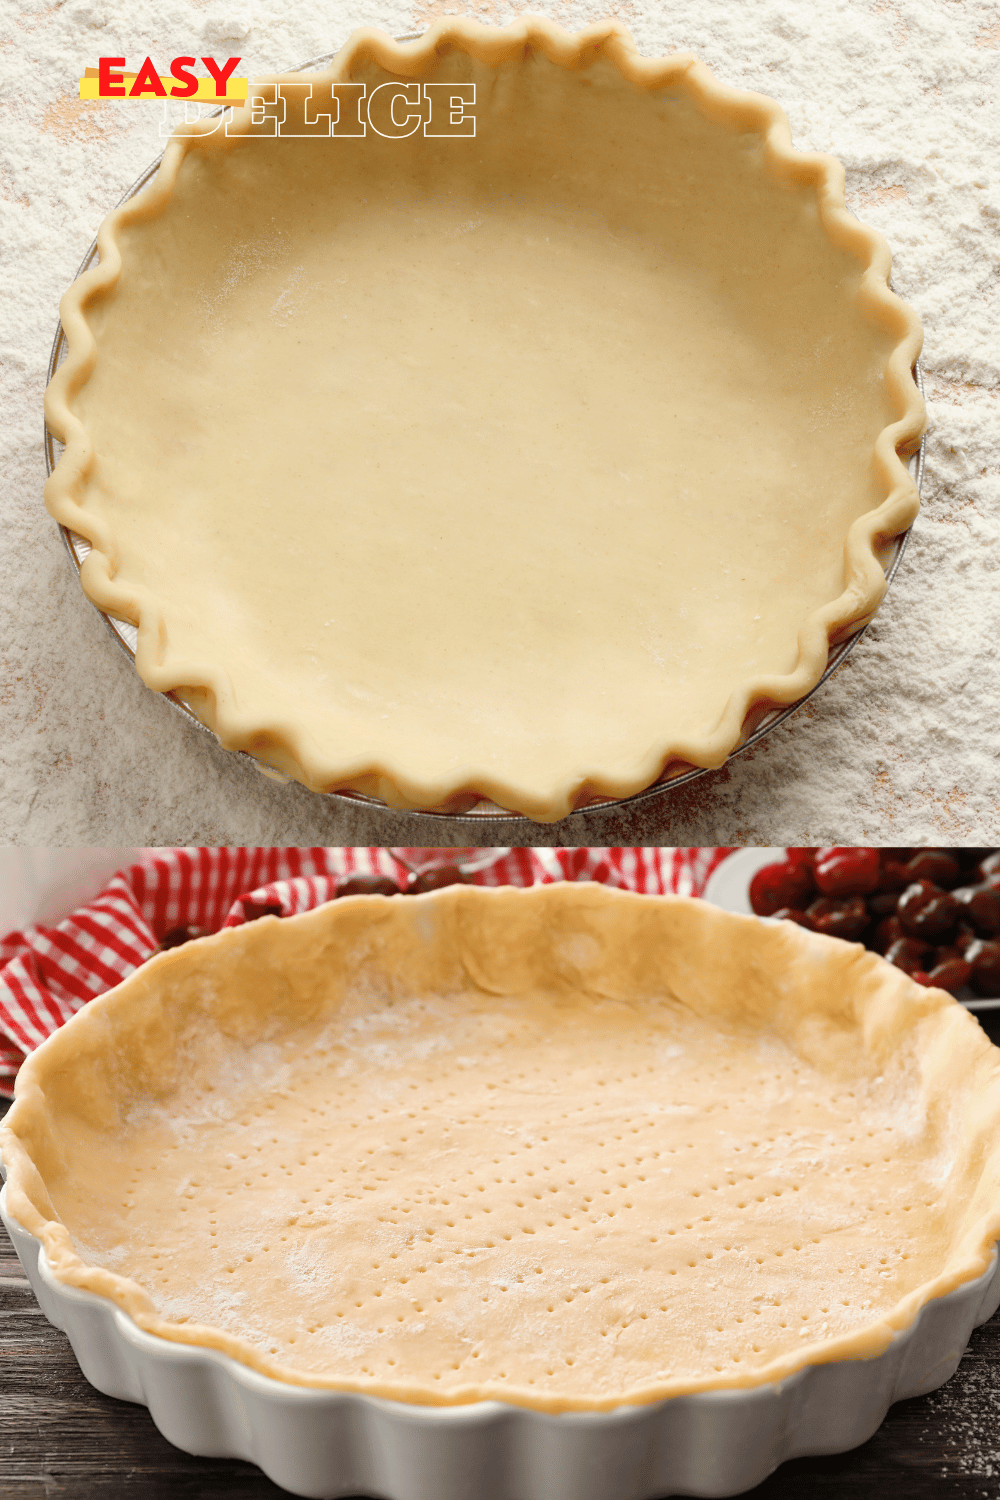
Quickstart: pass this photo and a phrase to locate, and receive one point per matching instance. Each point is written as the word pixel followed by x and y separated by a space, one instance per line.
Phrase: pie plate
pixel 639 484
pixel 326 1444
pixel 124 634
pixel 212 1392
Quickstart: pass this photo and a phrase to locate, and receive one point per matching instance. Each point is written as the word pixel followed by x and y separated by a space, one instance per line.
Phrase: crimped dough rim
pixel 790 973
pixel 286 747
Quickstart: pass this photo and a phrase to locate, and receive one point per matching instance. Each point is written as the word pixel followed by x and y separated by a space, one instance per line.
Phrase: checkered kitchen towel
pixel 48 973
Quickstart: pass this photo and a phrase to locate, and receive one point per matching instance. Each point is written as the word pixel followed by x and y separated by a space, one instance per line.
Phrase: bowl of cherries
pixel 935 913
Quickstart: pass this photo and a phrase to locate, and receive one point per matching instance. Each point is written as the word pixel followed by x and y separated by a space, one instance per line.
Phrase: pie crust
pixel 504 466
pixel 564 1147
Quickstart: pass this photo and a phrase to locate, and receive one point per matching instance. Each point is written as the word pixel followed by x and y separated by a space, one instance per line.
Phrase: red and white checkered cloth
pixel 48 973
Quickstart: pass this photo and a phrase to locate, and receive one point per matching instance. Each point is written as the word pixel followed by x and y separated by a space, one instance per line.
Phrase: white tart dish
pixel 327 1443
pixel 676 979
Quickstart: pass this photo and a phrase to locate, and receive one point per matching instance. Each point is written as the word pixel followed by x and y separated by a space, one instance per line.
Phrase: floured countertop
pixel 899 747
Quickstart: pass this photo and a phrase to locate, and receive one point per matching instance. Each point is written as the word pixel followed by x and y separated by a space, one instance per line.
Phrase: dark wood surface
pixel 61 1440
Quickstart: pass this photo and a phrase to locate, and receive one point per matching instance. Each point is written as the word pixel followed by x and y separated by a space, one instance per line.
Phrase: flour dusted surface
pixel 475 1194
pixel 900 747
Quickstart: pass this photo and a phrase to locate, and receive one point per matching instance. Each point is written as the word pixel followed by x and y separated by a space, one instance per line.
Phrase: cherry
pixel 797 856
pixel 888 931
pixel 926 911
pixel 892 876
pixel 980 904
pixel 436 880
pixel 883 903
pixel 792 914
pixel 990 865
pixel 935 865
pixel 968 857
pixel 254 910
pixel 963 937
pixel 951 974
pixel 367 885
pixel 847 872
pixel 782 884
pixel 984 957
pixel 843 917
pixel 908 954
pixel 178 936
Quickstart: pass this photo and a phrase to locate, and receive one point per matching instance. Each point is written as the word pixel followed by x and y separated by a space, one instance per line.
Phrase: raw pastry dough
pixel 521 465
pixel 564 1147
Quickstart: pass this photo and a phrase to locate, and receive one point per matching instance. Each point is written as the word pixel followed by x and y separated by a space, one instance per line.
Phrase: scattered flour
pixel 966 1410
pixel 900 747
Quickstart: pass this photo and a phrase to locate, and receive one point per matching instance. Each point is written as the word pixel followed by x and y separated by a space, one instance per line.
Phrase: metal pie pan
pixel 328 1443
pixel 756 726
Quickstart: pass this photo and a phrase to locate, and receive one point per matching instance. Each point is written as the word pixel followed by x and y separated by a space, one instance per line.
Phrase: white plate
pixel 729 885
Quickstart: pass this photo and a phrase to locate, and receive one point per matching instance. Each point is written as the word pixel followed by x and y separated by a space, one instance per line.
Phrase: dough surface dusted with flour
pixel 565 1147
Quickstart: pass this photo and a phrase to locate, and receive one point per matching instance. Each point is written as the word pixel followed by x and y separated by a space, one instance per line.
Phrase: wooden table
pixel 61 1440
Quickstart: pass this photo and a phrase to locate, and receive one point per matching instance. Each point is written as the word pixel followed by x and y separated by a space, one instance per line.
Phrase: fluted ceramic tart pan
pixel 533 482
pixel 535 1192
pixel 324 1444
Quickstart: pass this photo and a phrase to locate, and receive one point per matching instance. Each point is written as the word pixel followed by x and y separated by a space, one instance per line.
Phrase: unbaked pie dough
pixel 521 465
pixel 563 1147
